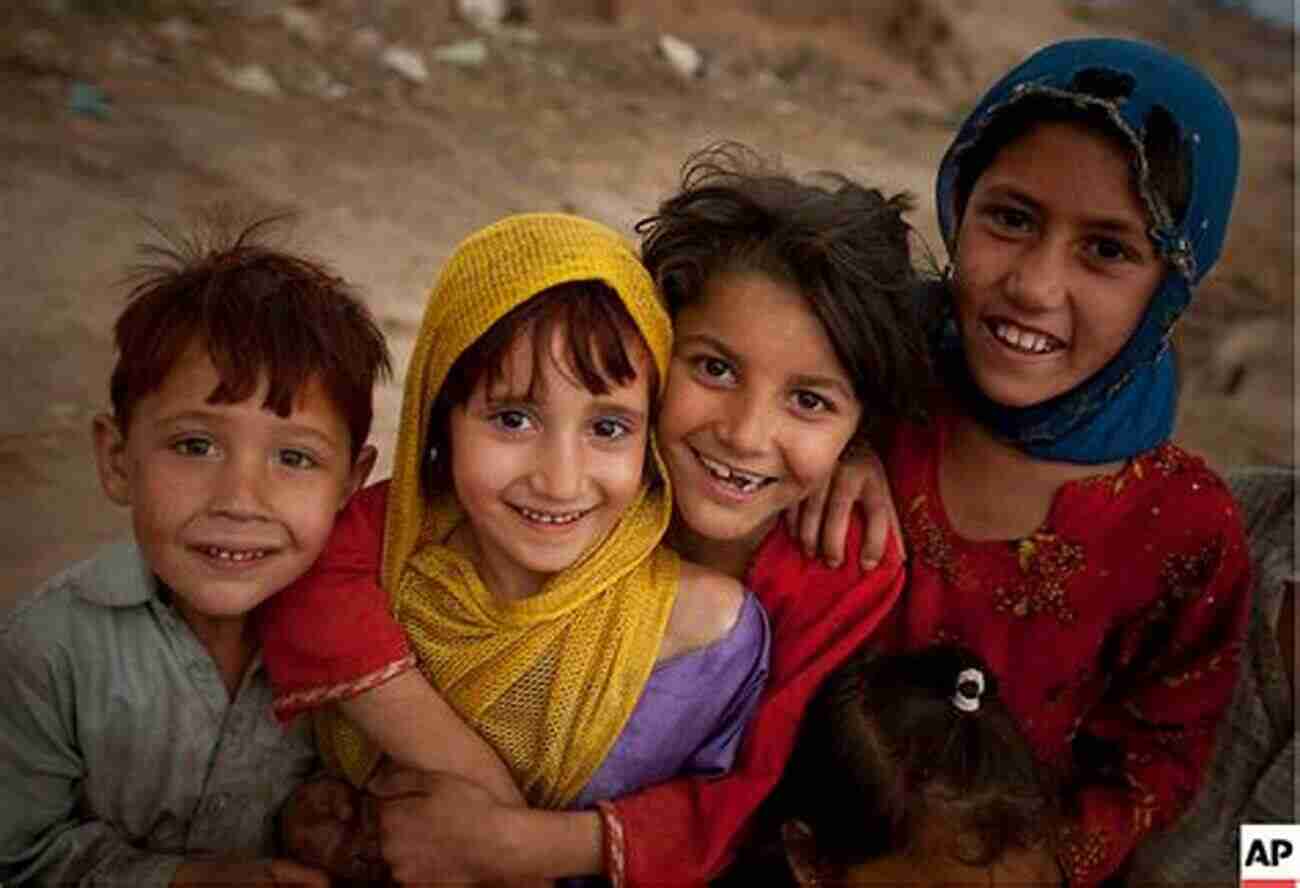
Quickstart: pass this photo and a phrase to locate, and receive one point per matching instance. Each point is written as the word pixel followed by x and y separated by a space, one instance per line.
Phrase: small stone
pixel 249 78
pixel 464 54
pixel 685 59
pixel 366 41
pixel 177 31
pixel 303 25
pixel 487 14
pixel 405 62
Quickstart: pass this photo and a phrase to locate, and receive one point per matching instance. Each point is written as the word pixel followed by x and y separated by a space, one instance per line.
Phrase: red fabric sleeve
pixel 330 635
pixel 684 831
pixel 1178 667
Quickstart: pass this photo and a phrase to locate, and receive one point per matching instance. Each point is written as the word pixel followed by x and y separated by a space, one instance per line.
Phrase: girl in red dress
pixel 1053 528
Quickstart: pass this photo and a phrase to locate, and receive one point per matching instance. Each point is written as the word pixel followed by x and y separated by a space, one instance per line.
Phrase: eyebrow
pixel 1114 224
pixel 602 404
pixel 292 428
pixel 799 380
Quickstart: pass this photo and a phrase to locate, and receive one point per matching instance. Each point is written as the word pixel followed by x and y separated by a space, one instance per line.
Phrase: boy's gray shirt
pixel 120 749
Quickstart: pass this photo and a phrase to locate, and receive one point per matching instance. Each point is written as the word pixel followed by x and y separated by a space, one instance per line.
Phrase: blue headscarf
pixel 1128 405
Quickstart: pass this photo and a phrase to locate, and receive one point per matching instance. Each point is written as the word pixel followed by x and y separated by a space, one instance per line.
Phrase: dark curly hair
pixel 845 247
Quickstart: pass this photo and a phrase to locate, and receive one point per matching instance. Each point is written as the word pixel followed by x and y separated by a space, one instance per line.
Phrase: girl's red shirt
pixel 1115 629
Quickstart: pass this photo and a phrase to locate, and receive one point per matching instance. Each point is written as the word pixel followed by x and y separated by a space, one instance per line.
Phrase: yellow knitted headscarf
pixel 549 680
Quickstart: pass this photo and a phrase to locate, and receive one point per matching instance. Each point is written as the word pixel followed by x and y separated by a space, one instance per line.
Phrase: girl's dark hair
pixel 1169 174
pixel 845 247
pixel 884 749
pixel 257 311
pixel 595 325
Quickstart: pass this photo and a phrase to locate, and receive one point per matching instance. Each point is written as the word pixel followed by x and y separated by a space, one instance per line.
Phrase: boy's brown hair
pixel 256 309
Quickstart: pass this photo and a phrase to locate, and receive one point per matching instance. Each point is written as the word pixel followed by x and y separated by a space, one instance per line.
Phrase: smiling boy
pixel 137 745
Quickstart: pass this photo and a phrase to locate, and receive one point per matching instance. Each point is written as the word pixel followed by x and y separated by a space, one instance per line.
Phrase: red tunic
pixel 1119 621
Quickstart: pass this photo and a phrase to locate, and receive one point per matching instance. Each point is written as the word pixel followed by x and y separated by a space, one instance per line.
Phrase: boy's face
pixel 230 503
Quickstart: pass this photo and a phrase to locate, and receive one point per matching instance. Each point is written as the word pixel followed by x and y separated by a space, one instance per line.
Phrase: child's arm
pixel 683 831
pixel 1175 672
pixel 330 637
pixel 416 728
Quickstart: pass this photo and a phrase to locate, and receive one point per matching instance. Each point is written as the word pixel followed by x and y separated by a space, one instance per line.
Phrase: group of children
pixel 571 637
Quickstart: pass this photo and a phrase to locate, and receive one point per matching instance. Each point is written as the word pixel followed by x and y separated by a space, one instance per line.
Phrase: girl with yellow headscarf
pixel 521 552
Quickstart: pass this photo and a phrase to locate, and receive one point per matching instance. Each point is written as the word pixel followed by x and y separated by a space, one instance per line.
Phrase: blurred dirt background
pixel 395 127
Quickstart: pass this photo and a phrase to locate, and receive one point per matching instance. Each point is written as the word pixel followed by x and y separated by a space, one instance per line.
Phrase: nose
pixel 559 469
pixel 240 487
pixel 1039 278
pixel 743 426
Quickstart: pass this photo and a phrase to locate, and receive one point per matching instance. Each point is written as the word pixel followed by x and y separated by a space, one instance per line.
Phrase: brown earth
pixel 113 110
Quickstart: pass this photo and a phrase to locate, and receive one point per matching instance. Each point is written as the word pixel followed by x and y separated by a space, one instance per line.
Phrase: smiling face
pixel 229 502
pixel 545 476
pixel 1054 267
pixel 757 410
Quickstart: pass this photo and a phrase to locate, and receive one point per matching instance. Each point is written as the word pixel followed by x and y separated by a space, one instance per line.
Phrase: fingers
pixel 845 489
pixel 287 872
pixel 878 510
pixel 396 782
pixel 337 799
pixel 792 519
pixel 810 520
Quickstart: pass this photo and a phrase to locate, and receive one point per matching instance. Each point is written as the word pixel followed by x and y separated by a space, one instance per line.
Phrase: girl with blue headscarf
pixel 1053 527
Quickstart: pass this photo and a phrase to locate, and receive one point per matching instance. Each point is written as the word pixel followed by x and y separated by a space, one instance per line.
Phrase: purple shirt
pixel 692 712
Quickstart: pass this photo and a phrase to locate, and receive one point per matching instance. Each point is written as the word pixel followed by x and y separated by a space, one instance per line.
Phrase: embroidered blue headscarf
pixel 1128 405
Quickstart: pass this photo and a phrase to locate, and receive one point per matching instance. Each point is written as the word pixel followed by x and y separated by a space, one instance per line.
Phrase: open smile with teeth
pixel 557 518
pixel 234 555
pixel 1022 339
pixel 745 482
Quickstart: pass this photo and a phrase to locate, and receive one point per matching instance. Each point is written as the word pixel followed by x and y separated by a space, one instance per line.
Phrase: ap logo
pixel 1270 855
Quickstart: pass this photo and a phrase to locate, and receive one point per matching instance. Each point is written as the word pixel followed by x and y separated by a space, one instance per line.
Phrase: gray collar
pixel 119 577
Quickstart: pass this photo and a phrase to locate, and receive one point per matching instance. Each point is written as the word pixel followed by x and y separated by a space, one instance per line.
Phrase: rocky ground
pixel 394 127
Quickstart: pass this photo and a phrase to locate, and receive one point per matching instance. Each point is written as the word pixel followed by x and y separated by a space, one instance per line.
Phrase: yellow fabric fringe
pixel 549 680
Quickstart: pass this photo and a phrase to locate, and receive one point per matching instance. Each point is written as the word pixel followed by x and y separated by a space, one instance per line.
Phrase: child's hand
pixel 820 521
pixel 437 828
pixel 329 825
pixel 262 873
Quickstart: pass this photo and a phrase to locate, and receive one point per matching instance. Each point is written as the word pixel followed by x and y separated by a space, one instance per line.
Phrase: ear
pixel 801 852
pixel 362 466
pixel 111 459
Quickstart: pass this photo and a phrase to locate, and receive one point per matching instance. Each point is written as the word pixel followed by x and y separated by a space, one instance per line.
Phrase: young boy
pixel 137 745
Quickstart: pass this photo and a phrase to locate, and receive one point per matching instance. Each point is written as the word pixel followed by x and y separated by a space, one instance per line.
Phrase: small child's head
pixel 793 309
pixel 531 395
pixel 909 764
pixel 1081 200
pixel 241 404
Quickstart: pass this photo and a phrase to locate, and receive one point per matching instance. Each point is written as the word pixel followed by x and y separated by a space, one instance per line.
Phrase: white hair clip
pixel 970 685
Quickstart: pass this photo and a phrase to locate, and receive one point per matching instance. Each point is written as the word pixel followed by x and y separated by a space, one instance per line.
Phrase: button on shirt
pixel 121 751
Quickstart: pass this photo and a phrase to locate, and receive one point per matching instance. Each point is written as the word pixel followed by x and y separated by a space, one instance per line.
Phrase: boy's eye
pixel 610 429
pixel 298 459
pixel 512 420
pixel 193 446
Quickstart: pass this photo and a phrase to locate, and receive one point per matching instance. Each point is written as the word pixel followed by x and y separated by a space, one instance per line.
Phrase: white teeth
pixel 743 481
pixel 548 518
pixel 232 555
pixel 1025 340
